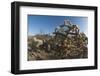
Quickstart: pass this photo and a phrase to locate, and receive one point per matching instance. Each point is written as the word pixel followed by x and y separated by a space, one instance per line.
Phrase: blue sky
pixel 47 24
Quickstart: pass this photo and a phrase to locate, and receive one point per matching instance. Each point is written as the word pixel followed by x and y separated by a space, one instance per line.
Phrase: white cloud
pixel 31 34
pixel 86 32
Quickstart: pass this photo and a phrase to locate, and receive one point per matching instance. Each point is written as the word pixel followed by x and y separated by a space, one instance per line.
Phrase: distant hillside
pixel 41 37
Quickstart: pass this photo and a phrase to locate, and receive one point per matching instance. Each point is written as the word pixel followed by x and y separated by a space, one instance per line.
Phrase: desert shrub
pixel 32 45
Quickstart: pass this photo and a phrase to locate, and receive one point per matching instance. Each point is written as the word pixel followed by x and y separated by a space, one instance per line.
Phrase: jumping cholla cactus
pixel 73 43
